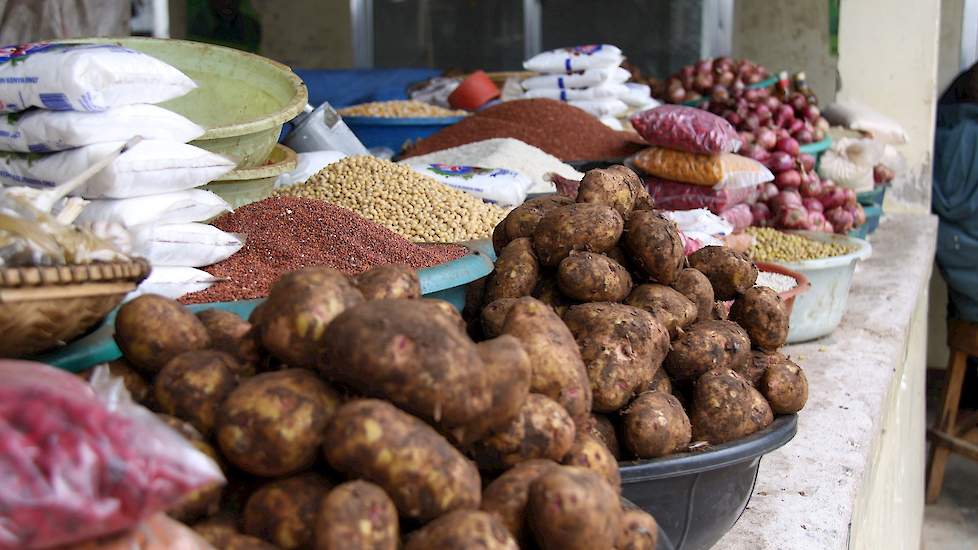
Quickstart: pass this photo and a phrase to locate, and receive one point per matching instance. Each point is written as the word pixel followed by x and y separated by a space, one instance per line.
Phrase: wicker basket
pixel 44 307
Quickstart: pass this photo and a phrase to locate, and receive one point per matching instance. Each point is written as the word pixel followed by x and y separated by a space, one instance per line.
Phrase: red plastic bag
pixel 672 195
pixel 686 129
pixel 739 216
pixel 79 461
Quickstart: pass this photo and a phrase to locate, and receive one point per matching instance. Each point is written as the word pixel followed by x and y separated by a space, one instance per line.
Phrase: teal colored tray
pixel 817 147
pixel 445 281
pixel 770 81
pixel 872 198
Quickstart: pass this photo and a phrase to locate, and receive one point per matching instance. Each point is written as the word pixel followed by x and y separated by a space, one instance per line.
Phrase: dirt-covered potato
pixel 284 511
pixel 617 254
pixel 692 284
pixel 607 187
pixel 655 425
pixel 357 515
pixel 230 333
pixel 151 330
pixel 591 453
pixel 246 542
pixel 543 429
pixel 134 382
pixel 763 315
pixel 216 531
pixel 622 347
pixel 654 246
pixel 299 307
pixel 573 508
pixel 516 271
pixel 759 363
pixel 639 530
pixel 506 497
pixel 726 407
pixel 499 237
pixel 784 385
pixel 192 386
pixel 558 370
pixel 493 316
pixel 588 227
pixel 720 311
pixel 730 272
pixel 522 221
pixel 708 345
pixel 660 382
pixel 205 501
pixel 388 281
pixel 548 292
pixel 590 277
pixel 601 428
pixel 508 368
pixel 419 469
pixel 410 353
pixel 666 304
pixel 462 530
pixel 641 194
pixel 272 424
pixel 446 310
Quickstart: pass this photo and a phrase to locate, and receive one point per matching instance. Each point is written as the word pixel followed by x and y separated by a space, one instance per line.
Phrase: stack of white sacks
pixel 70 106
pixel 590 78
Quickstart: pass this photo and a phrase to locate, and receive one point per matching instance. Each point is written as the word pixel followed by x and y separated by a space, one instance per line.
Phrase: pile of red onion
pixel 708 76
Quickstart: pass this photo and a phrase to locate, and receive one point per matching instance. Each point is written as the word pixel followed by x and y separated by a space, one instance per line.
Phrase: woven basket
pixel 44 307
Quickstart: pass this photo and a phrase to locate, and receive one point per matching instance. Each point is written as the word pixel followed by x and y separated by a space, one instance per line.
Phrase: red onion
pixel 788 145
pixel 789 198
pixel 704 66
pixel 807 161
pixel 796 126
pixel 754 78
pixel 733 118
pixel 773 103
pixel 850 201
pixel 840 219
pixel 881 174
pixel 836 198
pixel 761 214
pixel 789 179
pixel 816 219
pixel 780 162
pixel 753 95
pixel 812 204
pixel 793 218
pixel 757 153
pixel 737 88
pixel 703 81
pixel 811 188
pixel 766 138
pixel 786 113
pixel 797 101
pixel 751 122
pixel 804 136
pixel 762 112
pixel 819 134
pixel 769 191
pixel 676 95
pixel 719 93
pixel 811 113
pixel 858 215
pixel 746 137
pixel 726 78
pixel 826 227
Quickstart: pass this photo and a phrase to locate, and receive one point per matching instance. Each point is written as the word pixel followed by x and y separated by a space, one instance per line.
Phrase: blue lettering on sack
pixel 563 95
pixel 567 65
pixel 87 103
pixel 560 82
pixel 55 102
pixel 34 182
pixel 18 80
pixel 38 148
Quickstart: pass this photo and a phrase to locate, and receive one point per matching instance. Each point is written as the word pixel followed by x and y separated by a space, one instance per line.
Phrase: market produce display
pixel 662 362
pixel 711 78
pixel 399 109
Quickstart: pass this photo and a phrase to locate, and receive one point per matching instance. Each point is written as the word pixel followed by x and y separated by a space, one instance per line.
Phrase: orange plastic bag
pixel 726 171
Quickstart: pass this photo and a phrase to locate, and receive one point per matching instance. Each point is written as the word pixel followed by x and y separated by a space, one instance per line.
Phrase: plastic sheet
pixel 686 129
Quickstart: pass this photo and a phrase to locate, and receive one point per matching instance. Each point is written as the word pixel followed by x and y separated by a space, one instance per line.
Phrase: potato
pixel 272 424
pixel 591 453
pixel 784 385
pixel 726 407
pixel 590 277
pixel 193 384
pixel 217 532
pixel 499 237
pixel 763 315
pixel 692 284
pixel 607 187
pixel 543 429
pixel 655 425
pixel 667 305
pixel 422 472
pixel 494 316
pixel 641 194
pixel 617 254
pixel 573 508
pixel 759 363
pixel 730 273
pixel 389 281
pixel 639 531
pixel 708 345
pixel 660 382
pixel 720 311
pixel 558 370
pixel 284 511
pixel 245 542
pixel 229 333
pixel 522 221
pixel 475 293
pixel 654 246
pixel 462 530
pixel 621 346
pixel 139 389
pixel 508 369
pixel 410 353
pixel 588 227
pixel 516 271
pixel 602 429
pixel 299 307
pixel 506 497
pixel 548 292
pixel 446 310
pixel 202 502
pixel 357 515
pixel 151 330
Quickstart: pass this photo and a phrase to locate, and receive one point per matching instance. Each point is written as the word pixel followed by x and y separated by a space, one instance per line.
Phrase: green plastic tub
pixel 247 185
pixel 242 99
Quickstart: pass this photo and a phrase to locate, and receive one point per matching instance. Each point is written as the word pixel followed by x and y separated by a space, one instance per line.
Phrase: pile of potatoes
pixel 354 414
pixel 649 350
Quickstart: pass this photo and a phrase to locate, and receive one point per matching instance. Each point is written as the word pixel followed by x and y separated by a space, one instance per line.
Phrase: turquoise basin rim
pixel 384 121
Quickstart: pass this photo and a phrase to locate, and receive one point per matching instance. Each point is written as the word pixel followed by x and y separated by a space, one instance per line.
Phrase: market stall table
pixel 853 477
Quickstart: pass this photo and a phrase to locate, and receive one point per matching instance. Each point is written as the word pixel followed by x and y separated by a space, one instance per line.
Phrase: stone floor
pixel 951 523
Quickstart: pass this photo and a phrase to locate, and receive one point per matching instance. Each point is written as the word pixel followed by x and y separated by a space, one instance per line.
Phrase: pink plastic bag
pixel 686 129
pixel 80 461
pixel 672 195
pixel 739 216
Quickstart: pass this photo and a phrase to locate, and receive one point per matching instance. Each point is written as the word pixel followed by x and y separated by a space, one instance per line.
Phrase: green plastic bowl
pixel 247 185
pixel 242 99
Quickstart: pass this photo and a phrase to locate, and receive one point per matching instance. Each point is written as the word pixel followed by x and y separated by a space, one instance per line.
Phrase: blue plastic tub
pixel 445 281
pixel 874 197
pixel 873 215
pixel 395 133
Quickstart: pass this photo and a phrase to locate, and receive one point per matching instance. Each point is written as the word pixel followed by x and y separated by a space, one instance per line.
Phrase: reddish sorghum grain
pixel 561 130
pixel 287 233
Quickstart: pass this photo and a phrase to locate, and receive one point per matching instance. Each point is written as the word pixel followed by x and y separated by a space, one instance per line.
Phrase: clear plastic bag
pixel 671 195
pixel 726 171
pixel 686 129
pixel 159 532
pixel 80 462
pixel 739 216
pixel 850 163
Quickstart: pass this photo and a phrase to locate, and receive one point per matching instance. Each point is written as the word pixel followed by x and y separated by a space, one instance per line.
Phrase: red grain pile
pixel 289 233
pixel 562 130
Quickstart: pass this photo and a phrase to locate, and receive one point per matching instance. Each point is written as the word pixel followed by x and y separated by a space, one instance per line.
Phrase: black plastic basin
pixel 697 497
